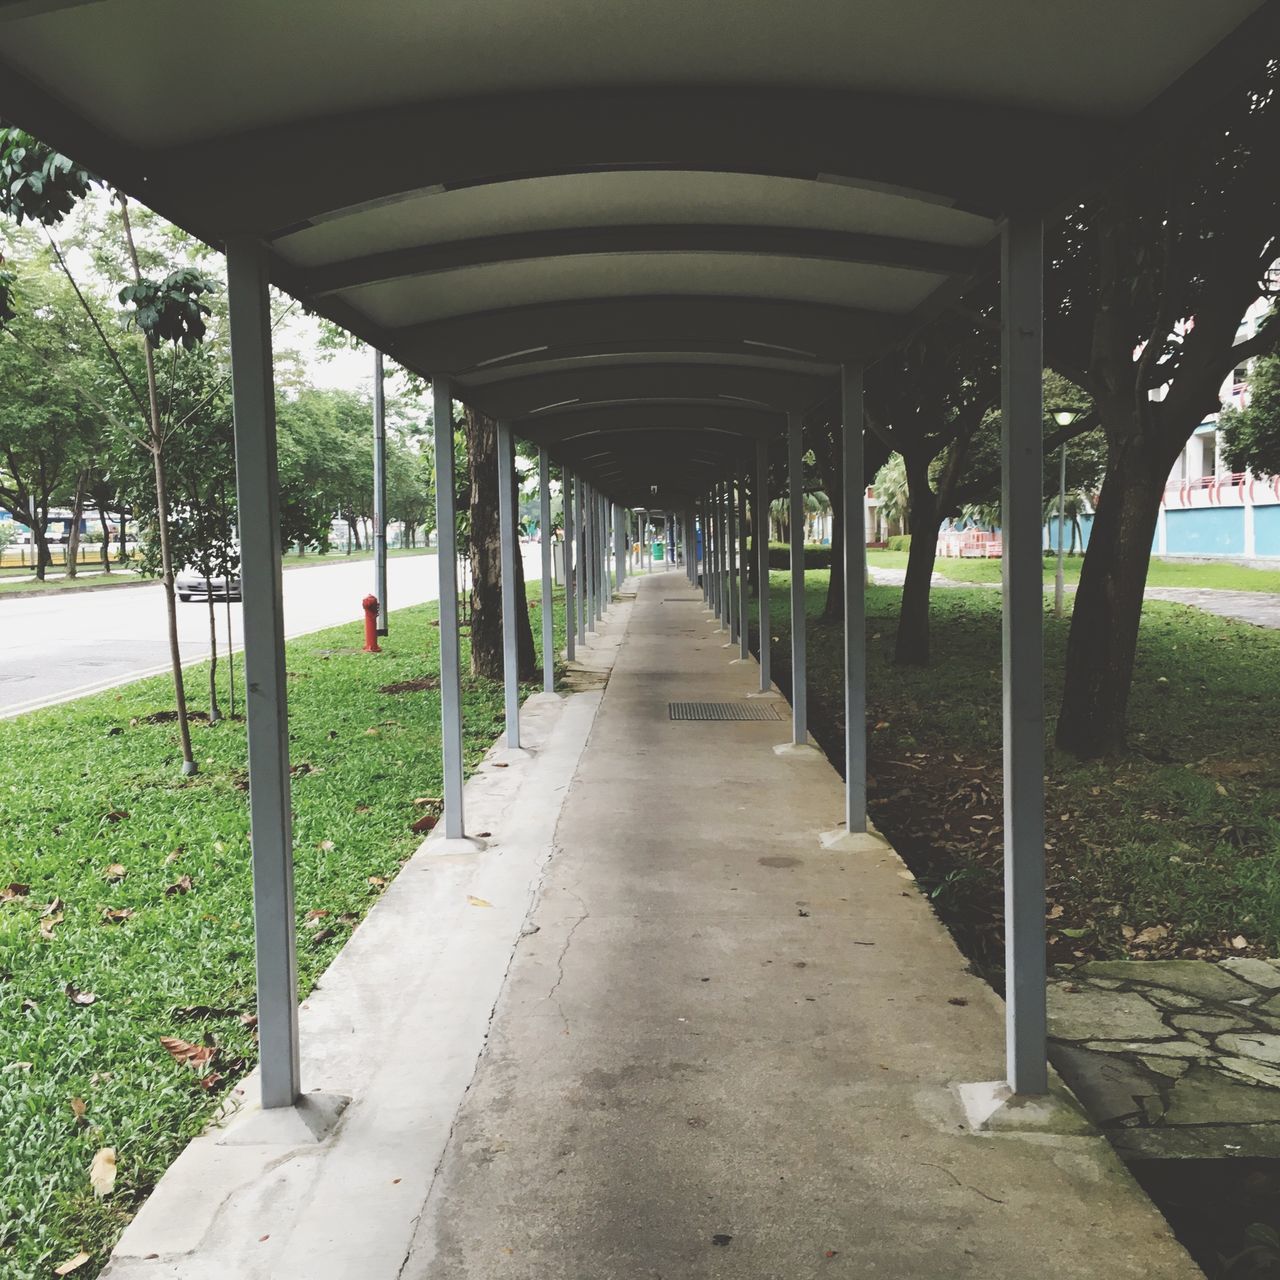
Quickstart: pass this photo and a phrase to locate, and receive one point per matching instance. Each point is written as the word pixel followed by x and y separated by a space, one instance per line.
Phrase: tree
pixel 46 428
pixel 481 435
pixel 39 185
pixel 927 403
pixel 1148 284
pixel 1251 437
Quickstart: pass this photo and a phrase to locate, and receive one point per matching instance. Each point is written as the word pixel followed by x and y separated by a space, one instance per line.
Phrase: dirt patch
pixel 169 717
pixel 411 686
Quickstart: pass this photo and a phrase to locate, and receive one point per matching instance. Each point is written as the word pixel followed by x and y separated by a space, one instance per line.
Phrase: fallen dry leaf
pixel 378 882
pixel 102 1172
pixel 14 890
pixel 116 815
pixel 317 914
pixel 1239 942
pixel 77 1108
pixel 326 846
pixel 477 902
pixel 53 908
pixel 181 885
pixel 1155 933
pixel 196 1056
pixel 426 823
pixel 116 915
pixel 421 800
pixel 323 936
pixel 72 1264
pixel 48 924
pixel 76 996
pixel 1055 912
pixel 114 873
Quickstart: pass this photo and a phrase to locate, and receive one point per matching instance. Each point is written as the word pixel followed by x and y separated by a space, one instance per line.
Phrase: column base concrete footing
pixel 805 750
pixel 510 755
pixel 841 840
pixel 311 1119
pixel 765 693
pixel 992 1107
pixel 544 699
pixel 454 844
pixel 738 662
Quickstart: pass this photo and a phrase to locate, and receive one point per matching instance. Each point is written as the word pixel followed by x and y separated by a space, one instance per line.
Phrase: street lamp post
pixel 1064 418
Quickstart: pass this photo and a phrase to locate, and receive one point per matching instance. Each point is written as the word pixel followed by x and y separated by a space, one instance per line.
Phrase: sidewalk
pixel 729 1053
pixel 675 1038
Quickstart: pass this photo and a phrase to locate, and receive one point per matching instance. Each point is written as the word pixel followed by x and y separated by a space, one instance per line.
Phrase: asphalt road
pixel 61 646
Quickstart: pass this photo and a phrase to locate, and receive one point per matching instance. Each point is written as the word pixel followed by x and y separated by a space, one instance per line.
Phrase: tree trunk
pixel 106 538
pixel 214 713
pixel 40 543
pixel 911 648
pixel 1108 604
pixel 73 534
pixel 156 429
pixel 122 556
pixel 486 563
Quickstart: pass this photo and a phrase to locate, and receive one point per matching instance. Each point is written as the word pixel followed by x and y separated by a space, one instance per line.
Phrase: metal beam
pixel 1022 425
pixel 507 557
pixel 266 684
pixel 447 569
pixel 854 534
pixel 795 484
pixel 744 557
pixel 548 595
pixel 557 242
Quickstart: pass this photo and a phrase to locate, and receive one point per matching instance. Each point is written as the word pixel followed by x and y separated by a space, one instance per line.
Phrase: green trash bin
pixel 659 549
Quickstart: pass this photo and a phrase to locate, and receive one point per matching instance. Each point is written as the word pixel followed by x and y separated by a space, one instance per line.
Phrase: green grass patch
pixel 1171 850
pixel 1203 575
pixel 94 819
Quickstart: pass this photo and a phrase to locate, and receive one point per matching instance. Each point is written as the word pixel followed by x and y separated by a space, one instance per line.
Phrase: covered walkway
pixel 715 1048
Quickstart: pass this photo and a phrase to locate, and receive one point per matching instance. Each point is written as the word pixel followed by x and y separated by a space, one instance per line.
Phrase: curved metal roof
pixel 641 233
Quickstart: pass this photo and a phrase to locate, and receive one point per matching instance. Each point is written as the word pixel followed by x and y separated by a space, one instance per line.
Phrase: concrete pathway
pixel 726 1052
pixel 1261 608
pixel 653 1031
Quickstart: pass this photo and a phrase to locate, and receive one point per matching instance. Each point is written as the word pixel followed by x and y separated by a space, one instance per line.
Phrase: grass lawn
pixel 95 820
pixel 1162 573
pixel 1171 850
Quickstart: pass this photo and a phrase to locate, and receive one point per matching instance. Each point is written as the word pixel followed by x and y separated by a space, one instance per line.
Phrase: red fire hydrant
pixel 370 604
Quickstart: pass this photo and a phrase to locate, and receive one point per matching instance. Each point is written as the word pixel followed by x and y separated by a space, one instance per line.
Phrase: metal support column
pixel 266 702
pixel 579 558
pixel 855 603
pixel 744 555
pixel 507 556
pixel 795 484
pixel 590 573
pixel 732 620
pixel 379 493
pixel 447 568
pixel 568 487
pixel 761 527
pixel 1022 266
pixel 619 545
pixel 548 597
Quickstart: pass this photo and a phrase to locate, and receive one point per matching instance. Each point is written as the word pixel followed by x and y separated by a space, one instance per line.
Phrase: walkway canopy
pixel 644 236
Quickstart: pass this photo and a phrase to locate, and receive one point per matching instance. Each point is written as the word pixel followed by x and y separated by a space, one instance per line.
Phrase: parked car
pixel 193 585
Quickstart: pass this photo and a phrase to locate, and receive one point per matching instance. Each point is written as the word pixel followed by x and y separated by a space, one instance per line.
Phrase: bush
pixel 815 557
pixel 900 542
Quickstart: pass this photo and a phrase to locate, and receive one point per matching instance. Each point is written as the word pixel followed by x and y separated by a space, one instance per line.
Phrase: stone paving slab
pixel 1173 1058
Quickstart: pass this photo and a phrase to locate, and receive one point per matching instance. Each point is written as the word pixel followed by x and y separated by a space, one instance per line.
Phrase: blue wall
pixel 1205 531
pixel 1266 531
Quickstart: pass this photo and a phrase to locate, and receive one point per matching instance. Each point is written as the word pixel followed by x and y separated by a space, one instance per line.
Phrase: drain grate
pixel 723 711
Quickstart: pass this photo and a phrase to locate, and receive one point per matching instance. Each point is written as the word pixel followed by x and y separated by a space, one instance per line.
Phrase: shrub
pixel 900 542
pixel 815 557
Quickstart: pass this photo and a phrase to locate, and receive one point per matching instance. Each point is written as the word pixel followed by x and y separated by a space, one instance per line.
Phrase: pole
pixel 744 556
pixel 569 488
pixel 548 594
pixel 447 569
pixel 507 557
pixel 855 603
pixel 762 562
pixel 579 558
pixel 266 684
pixel 380 492
pixel 1059 583
pixel 795 482
pixel 1022 303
